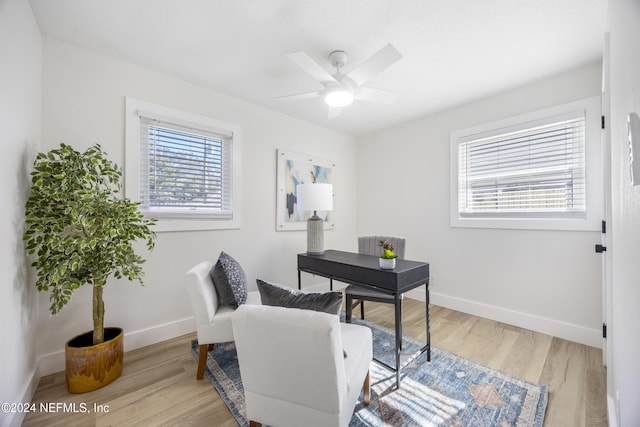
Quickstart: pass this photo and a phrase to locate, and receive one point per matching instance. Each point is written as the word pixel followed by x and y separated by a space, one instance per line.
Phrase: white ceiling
pixel 454 51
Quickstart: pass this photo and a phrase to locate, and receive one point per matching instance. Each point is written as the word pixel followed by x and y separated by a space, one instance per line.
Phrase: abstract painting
pixel 294 169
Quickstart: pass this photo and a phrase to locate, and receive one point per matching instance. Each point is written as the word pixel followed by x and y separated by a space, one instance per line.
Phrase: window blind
pixel 184 171
pixel 534 169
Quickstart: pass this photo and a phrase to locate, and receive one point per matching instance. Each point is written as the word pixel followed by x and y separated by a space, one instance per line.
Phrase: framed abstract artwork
pixel 294 169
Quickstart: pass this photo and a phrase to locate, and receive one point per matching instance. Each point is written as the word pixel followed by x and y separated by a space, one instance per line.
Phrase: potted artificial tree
pixel 82 231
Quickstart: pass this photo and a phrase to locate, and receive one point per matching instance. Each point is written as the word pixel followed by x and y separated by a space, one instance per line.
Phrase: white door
pixel 606 238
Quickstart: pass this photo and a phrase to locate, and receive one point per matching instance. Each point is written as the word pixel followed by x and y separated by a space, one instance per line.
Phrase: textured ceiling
pixel 454 51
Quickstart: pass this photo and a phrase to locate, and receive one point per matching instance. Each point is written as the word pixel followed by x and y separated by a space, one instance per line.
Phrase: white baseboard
pixel 54 362
pixel 611 411
pixel 553 327
pixel 159 333
pixel 15 419
pixel 324 286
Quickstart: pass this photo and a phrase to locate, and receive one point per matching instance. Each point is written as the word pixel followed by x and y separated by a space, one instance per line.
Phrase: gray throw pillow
pixel 229 280
pixel 274 294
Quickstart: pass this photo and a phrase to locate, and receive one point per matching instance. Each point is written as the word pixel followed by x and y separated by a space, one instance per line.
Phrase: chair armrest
pixel 202 293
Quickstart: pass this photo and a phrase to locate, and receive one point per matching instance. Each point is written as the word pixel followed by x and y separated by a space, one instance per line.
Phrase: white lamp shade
pixel 314 197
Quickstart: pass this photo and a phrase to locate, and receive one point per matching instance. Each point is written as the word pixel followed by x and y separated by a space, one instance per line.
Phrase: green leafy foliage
pixel 387 250
pixel 79 227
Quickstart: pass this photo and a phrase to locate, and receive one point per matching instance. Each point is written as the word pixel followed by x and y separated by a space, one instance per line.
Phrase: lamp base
pixel 315 236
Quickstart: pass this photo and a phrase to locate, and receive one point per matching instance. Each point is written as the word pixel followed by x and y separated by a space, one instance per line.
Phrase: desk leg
pixel 428 315
pixel 299 281
pixel 330 284
pixel 398 313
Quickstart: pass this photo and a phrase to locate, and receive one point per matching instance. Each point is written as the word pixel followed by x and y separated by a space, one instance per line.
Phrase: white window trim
pixel 591 221
pixel 132 162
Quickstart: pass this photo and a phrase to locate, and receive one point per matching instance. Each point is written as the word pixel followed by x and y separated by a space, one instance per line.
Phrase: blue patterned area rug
pixel 449 391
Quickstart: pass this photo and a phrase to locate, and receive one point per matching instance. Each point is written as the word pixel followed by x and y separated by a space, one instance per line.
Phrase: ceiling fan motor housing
pixel 338 58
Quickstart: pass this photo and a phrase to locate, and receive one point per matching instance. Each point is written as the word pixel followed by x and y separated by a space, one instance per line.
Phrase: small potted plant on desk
pixel 387 257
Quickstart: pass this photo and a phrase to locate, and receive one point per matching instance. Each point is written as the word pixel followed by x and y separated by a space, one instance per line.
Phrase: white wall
pixel 84 103
pixel 20 89
pixel 624 377
pixel 543 280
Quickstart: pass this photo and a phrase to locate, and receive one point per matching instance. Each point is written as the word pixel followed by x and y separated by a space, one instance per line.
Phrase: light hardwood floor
pixel 158 385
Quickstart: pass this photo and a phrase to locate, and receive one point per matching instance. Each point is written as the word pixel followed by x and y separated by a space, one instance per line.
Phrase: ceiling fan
pixel 341 89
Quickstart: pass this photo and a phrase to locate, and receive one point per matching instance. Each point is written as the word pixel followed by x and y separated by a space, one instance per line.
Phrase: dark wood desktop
pixel 364 271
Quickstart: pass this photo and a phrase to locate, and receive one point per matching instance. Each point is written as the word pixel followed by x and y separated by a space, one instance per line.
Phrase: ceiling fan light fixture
pixel 338 97
pixel 341 89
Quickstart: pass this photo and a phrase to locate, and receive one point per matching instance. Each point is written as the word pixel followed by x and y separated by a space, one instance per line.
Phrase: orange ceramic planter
pixel 89 367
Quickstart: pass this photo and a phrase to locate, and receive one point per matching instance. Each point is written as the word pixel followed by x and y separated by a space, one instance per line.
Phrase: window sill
pixel 173 225
pixel 558 224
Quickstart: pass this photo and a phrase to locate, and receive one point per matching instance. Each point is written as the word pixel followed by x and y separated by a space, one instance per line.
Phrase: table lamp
pixel 315 197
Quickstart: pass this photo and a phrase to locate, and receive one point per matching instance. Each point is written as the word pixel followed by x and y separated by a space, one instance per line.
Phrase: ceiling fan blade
pixel 311 67
pixel 375 64
pixel 334 112
pixel 298 96
pixel 376 95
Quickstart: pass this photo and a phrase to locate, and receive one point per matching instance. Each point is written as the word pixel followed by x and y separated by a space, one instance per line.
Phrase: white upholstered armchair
pixel 293 367
pixel 213 320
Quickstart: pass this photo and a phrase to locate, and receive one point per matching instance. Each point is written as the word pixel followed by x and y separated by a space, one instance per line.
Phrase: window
pixel 185 170
pixel 182 168
pixel 536 170
pixel 529 172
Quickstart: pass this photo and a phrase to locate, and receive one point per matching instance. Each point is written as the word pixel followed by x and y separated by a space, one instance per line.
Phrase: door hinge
pixel 604 330
pixel 602 122
pixel 600 248
pixel 604 227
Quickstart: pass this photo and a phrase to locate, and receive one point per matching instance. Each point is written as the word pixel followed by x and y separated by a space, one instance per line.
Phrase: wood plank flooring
pixel 158 385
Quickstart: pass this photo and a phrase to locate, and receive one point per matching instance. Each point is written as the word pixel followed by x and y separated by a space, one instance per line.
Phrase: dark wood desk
pixel 364 271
